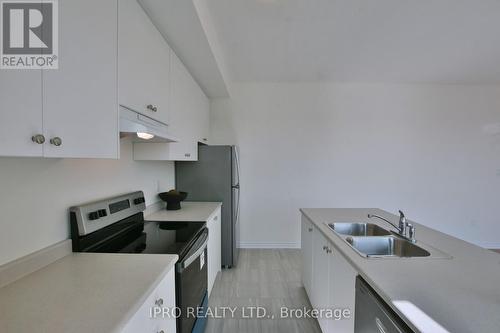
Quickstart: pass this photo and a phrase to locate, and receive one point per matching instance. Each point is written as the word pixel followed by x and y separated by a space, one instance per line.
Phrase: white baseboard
pixel 267 245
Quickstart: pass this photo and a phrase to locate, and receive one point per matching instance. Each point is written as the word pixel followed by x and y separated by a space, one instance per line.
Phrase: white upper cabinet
pixel 80 106
pixel 73 110
pixel 189 112
pixel 20 112
pixel 143 63
pixel 183 113
pixel 202 110
pixel 110 54
pixel 204 122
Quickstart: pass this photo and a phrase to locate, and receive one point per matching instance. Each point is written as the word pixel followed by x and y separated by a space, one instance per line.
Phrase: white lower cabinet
pixel 328 278
pixel 342 290
pixel 163 296
pixel 320 278
pixel 307 253
pixel 214 248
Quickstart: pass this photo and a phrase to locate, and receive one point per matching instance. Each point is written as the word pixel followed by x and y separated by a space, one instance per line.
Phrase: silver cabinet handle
pixel 151 107
pixel 187 155
pixel 328 250
pixel 56 141
pixel 159 302
pixel 216 218
pixel 155 109
pixel 162 331
pixel 310 229
pixel 325 247
pixel 38 139
pixel 205 139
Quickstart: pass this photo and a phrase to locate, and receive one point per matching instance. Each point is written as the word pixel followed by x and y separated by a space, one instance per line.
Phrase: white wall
pixel 36 194
pixel 433 151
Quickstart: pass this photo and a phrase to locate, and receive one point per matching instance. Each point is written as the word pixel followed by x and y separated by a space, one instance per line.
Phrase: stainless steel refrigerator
pixel 215 177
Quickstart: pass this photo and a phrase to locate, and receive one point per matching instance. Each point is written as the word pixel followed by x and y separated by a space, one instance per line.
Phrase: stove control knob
pixel 139 201
pixel 93 216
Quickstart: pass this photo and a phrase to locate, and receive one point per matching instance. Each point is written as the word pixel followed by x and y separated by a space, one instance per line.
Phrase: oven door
pixel 191 285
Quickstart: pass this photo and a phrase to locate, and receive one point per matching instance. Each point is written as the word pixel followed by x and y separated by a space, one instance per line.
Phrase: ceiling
pixel 415 41
pixel 188 29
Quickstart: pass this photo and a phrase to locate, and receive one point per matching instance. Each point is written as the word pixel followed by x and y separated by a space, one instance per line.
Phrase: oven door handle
pixel 185 263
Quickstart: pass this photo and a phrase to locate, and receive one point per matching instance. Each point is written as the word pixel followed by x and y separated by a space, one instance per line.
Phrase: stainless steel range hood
pixel 139 127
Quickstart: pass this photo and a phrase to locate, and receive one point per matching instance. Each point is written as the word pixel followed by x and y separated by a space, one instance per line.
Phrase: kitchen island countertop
pixel 458 294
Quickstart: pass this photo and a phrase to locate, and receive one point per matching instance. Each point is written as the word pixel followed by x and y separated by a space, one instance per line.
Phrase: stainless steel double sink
pixel 371 241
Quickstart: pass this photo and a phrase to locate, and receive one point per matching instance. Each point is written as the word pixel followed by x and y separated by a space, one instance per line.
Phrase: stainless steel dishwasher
pixel 373 315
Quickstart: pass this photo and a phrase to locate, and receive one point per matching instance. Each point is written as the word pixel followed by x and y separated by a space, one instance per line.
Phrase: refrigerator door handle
pixel 238 207
pixel 237 186
pixel 237 165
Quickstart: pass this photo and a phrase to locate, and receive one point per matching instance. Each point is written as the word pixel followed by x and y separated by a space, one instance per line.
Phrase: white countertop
pixel 190 211
pixel 82 293
pixel 461 294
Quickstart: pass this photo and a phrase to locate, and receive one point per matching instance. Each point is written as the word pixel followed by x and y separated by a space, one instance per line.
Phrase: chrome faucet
pixel 402 223
pixel 402 228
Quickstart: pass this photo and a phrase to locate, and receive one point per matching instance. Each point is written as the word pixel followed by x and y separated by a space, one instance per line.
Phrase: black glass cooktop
pixel 170 237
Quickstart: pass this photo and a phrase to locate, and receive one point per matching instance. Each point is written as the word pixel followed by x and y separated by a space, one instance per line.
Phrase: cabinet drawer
pixel 142 321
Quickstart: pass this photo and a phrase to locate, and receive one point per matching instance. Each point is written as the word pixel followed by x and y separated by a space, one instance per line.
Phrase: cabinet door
pixel 166 292
pixel 214 249
pixel 20 112
pixel 202 108
pixel 183 113
pixel 307 231
pixel 189 109
pixel 141 321
pixel 342 291
pixel 320 282
pixel 79 99
pixel 205 122
pixel 143 63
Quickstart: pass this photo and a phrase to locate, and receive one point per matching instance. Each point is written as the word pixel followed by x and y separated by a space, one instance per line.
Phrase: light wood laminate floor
pixel 270 279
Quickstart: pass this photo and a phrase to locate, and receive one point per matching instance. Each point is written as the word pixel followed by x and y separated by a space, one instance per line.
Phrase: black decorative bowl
pixel 173 199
